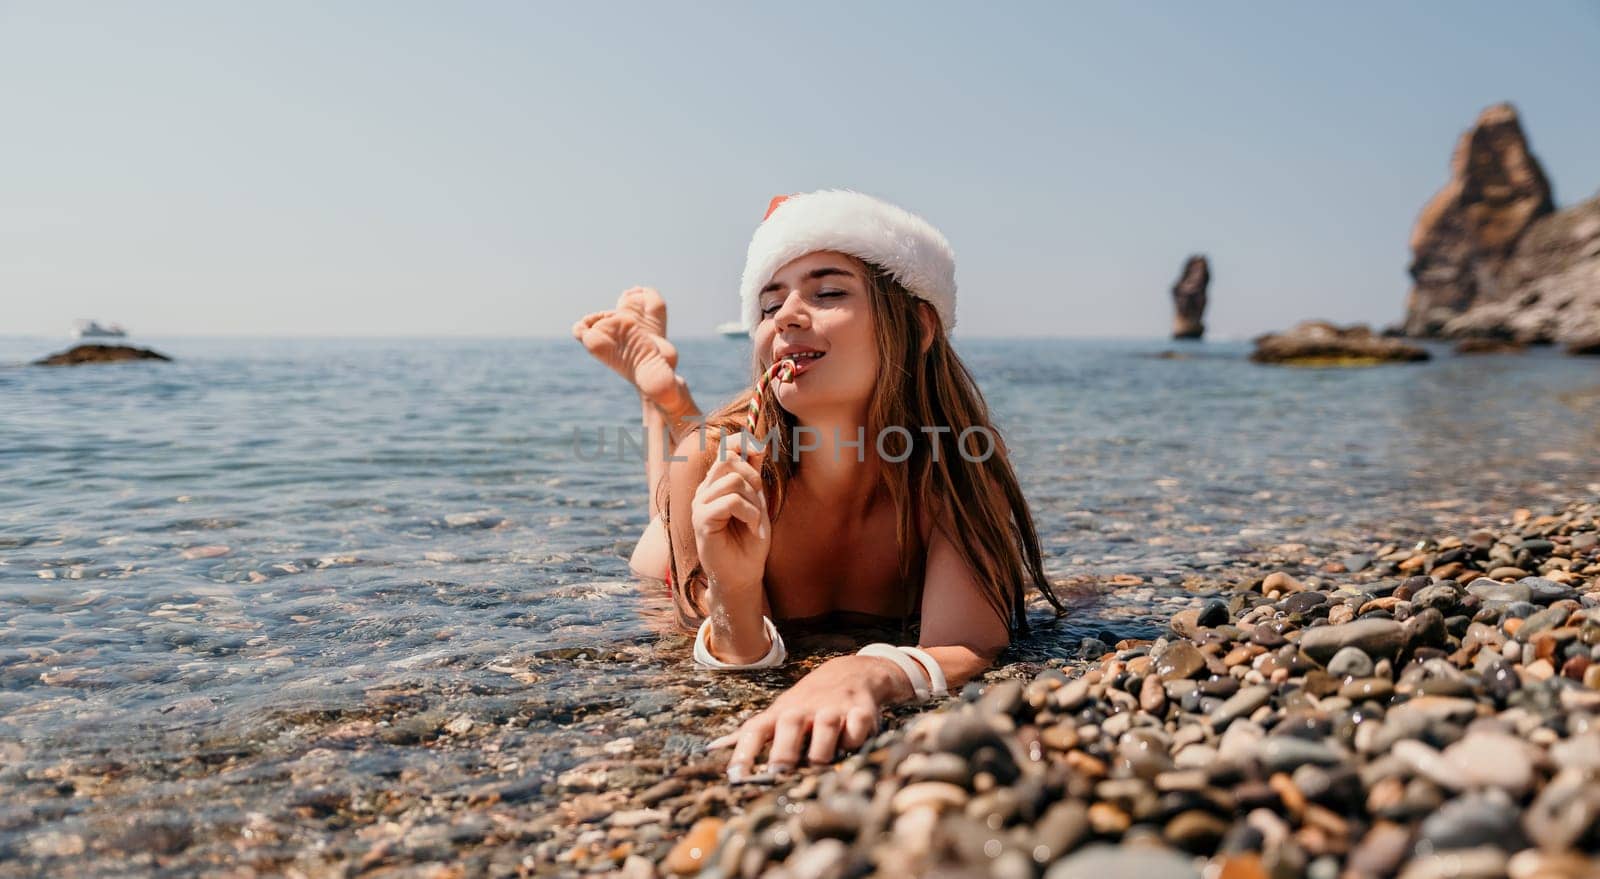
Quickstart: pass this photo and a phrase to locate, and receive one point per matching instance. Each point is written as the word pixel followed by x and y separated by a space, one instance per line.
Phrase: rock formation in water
pixel 1467 231
pixel 1551 285
pixel 1492 258
pixel 1189 299
pixel 1319 343
pixel 99 354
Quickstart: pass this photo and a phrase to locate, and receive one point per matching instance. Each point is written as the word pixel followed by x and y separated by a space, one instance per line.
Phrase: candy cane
pixel 780 370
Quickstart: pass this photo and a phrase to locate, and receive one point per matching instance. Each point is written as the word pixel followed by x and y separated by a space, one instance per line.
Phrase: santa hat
pixel 869 229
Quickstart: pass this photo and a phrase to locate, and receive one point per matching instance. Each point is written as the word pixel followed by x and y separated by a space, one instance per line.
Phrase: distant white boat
pixel 88 329
pixel 733 329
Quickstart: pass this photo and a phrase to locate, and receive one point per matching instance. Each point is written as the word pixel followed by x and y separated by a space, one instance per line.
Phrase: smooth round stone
pixel 1364 689
pixel 1284 753
pixel 818 860
pixel 1429 708
pixel 1062 736
pixel 1196 830
pixel 1240 743
pixel 1490 759
pixel 1179 690
pixel 1241 704
pixel 1483 862
pixel 1303 602
pixel 935 767
pixel 1440 596
pixel 1186 623
pixel 1350 662
pixel 1102 861
pixel 935 795
pixel 1108 820
pixel 1375 637
pixel 1180 660
pixel 1489 589
pixel 1543 591
pixel 1381 851
pixel 1004 697
pixel 1428 763
pixel 1195 757
pixel 1580 752
pixel 1215 613
pixel 692 851
pixel 1062 827
pixel 1152 695
pixel 995 808
pixel 1534 864
pixel 1072 695
pixel 964 733
pixel 1470 820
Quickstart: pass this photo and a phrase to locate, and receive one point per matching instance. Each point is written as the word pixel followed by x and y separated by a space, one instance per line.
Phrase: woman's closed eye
pixel 826 293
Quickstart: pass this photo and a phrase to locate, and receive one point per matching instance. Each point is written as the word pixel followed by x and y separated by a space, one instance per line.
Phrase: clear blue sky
pixel 500 169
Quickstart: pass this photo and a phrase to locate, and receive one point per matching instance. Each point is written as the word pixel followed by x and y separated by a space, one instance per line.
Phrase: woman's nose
pixel 791 311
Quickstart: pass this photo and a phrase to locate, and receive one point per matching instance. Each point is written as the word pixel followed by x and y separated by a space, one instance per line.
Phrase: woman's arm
pixel 840 701
pixel 959 628
pixel 716 496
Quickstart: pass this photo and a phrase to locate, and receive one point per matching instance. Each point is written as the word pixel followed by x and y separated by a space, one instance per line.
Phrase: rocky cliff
pixel 1492 258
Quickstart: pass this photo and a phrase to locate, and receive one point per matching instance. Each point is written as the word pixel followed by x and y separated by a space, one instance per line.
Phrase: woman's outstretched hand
pixel 732 529
pixel 833 708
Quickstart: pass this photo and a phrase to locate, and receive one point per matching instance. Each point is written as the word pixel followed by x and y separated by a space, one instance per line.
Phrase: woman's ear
pixel 928 317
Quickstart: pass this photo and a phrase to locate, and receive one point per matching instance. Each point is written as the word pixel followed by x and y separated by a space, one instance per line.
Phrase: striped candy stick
pixel 782 370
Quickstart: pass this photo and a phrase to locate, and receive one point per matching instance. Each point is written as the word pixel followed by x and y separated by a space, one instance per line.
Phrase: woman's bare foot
pixel 622 340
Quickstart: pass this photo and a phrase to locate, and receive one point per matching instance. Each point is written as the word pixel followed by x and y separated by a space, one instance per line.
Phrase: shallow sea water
pixel 206 564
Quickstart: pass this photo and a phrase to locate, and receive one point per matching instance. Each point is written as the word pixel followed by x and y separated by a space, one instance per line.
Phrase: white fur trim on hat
pixel 867 228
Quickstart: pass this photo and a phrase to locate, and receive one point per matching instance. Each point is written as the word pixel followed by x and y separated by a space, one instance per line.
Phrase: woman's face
pixel 819 304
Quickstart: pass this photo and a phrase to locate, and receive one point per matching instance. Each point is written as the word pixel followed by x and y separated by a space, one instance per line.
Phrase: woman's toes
pixel 648 304
pixel 585 322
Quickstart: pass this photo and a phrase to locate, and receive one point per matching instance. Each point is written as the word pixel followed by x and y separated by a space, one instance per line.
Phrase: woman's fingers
pixel 860 724
pixel 825 730
pixel 751 738
pixel 742 446
pixel 731 462
pixel 786 736
pixel 714 515
pixel 731 483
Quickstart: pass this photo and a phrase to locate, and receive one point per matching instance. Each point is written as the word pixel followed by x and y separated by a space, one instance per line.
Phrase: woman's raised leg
pixel 631 339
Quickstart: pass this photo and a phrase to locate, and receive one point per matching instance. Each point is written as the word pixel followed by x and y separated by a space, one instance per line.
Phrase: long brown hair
pixel 974 497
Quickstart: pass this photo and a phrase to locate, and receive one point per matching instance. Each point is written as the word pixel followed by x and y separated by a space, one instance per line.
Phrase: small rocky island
pixel 1189 299
pixel 1319 343
pixel 1493 258
pixel 82 354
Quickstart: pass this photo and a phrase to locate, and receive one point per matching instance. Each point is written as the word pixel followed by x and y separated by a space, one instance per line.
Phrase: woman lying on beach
pixel 883 491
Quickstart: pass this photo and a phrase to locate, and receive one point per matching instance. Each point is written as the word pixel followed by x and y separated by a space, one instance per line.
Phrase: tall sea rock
pixel 1189 299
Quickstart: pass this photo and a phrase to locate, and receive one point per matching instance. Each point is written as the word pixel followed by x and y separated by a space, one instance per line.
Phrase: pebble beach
pixel 1434 714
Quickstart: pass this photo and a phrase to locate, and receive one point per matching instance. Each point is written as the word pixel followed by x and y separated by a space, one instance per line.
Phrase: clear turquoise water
pixel 404 510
